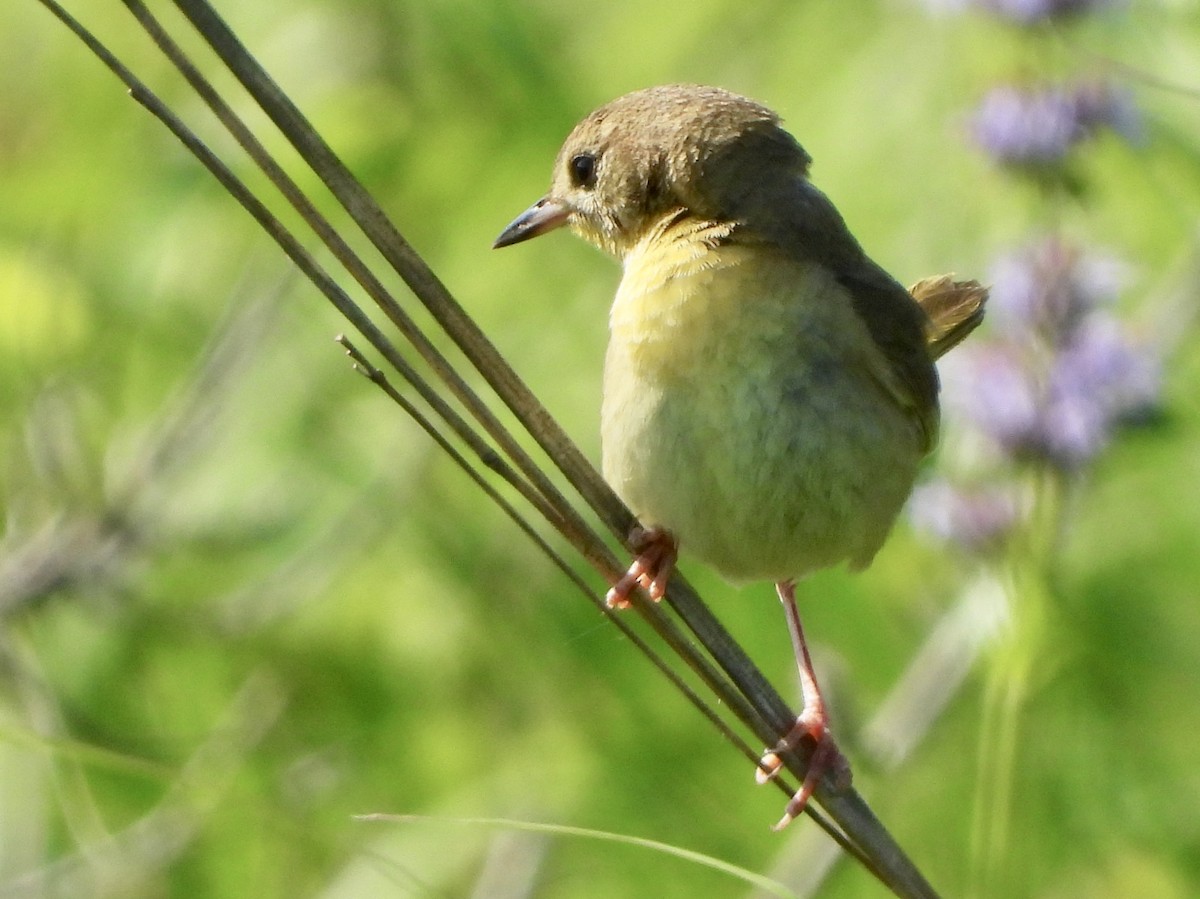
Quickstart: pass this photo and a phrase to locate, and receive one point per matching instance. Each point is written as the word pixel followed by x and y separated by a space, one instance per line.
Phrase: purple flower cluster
pixel 1051 388
pixel 1024 12
pixel 1061 374
pixel 1031 12
pixel 1038 127
pixel 977 519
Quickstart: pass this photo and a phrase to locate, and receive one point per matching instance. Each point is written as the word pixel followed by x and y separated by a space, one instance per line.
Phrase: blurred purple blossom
pixel 1103 104
pixel 1062 374
pixel 1029 12
pixel 976 519
pixel 1052 387
pixel 1022 127
pixel 996 393
pixel 1049 286
pixel 1023 12
pixel 1038 127
pixel 1102 363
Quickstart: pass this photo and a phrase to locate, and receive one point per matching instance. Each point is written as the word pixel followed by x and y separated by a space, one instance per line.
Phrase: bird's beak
pixel 544 215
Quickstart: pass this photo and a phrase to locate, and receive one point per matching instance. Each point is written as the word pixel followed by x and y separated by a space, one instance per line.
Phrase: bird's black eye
pixel 583 170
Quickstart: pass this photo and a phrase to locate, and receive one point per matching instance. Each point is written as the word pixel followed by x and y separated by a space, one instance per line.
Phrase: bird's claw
pixel 826 759
pixel 651 570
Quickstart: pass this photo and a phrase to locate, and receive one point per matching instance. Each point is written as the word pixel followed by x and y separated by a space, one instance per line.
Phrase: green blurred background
pixel 243 599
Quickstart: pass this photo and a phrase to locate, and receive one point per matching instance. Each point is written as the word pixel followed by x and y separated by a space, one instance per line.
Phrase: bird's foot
pixel 656 553
pixel 826 759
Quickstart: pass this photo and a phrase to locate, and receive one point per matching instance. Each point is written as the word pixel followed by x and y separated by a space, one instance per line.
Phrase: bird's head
pixel 656 152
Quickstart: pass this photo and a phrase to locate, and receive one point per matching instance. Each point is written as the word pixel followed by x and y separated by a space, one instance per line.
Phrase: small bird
pixel 769 391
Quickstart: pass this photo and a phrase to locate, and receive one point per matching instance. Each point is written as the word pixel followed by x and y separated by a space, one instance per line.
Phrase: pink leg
pixel 651 569
pixel 813 722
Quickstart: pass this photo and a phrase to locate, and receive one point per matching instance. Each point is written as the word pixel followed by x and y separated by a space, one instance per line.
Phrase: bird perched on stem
pixel 769 391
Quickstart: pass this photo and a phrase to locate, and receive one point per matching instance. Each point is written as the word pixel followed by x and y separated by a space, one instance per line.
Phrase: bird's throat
pixel 678 292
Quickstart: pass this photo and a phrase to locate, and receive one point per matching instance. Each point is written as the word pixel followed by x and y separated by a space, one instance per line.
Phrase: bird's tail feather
pixel 953 310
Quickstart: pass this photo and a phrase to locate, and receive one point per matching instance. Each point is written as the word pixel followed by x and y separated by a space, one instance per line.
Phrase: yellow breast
pixel 679 295
pixel 742 410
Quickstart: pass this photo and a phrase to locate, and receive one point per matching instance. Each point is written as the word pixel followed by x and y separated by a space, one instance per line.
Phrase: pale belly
pixel 752 428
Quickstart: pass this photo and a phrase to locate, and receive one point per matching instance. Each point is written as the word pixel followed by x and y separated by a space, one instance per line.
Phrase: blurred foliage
pixel 243 599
